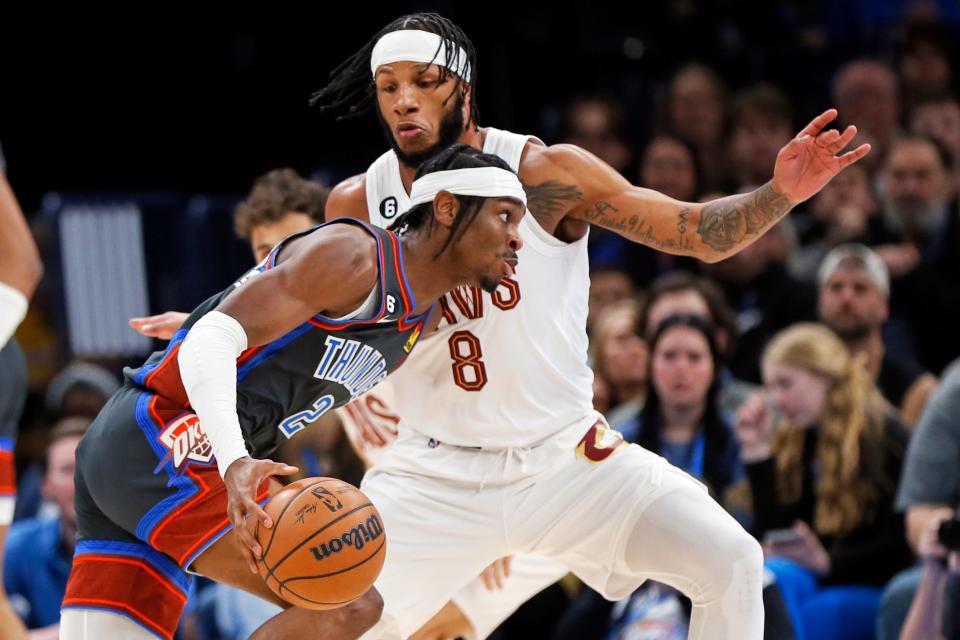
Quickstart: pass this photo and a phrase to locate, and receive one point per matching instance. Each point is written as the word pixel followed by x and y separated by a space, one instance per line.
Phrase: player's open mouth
pixel 511 266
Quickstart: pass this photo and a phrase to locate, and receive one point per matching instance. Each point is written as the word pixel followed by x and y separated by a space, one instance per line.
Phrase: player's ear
pixel 445 208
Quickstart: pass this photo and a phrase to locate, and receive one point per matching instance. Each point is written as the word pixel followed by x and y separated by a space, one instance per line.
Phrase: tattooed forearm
pixel 725 223
pixel 551 200
pixel 601 213
pixel 638 229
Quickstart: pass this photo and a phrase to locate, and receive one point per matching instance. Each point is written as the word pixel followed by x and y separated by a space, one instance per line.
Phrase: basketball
pixel 326 546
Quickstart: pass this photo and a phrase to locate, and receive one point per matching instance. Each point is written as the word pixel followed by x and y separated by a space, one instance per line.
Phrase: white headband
pixel 487 182
pixel 418 46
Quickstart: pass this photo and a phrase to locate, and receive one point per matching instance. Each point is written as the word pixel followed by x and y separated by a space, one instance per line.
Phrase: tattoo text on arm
pixel 638 229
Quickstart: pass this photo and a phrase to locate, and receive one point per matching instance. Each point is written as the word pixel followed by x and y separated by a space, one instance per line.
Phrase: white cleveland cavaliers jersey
pixel 370 422
pixel 503 370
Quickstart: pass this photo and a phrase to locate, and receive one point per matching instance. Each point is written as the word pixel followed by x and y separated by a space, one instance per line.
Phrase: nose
pixel 406 100
pixel 515 241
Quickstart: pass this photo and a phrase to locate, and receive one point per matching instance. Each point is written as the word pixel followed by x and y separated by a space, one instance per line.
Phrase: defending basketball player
pixel 177 459
pixel 499 441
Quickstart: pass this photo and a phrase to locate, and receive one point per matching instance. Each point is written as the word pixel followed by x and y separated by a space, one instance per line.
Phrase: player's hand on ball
pixel 753 425
pixel 161 326
pixel 494 575
pixel 243 479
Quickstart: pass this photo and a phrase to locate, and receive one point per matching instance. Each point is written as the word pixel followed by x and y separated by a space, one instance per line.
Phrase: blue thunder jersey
pixel 286 385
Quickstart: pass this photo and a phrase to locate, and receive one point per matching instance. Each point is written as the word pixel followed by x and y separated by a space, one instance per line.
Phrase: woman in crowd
pixel 620 361
pixel 823 482
pixel 682 420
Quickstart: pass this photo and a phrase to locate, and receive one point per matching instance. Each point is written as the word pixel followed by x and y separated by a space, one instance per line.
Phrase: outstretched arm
pixel 567 181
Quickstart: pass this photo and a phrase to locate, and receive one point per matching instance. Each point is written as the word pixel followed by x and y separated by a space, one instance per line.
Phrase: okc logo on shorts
pixel 187 441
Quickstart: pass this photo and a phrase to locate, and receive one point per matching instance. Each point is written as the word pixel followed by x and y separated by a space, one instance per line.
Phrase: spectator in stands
pixel 854 290
pixel 608 285
pixel 80 389
pixel 682 419
pixel 620 359
pixel 915 194
pixel 924 63
pixel 762 125
pixel 929 492
pixel 938 117
pixel 918 244
pixel 669 165
pixel 866 93
pixel 764 296
pixel 696 112
pixel 280 203
pixel 40 550
pixel 844 211
pixel 596 123
pixel 682 293
pixel 823 482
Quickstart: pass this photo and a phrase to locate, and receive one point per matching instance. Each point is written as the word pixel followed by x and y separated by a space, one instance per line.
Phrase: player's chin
pixel 489 283
pixel 417 144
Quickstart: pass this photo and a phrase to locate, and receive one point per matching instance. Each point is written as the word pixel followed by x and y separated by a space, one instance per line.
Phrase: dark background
pixel 173 100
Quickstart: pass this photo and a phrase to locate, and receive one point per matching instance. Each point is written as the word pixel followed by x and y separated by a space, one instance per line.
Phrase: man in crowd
pixel 854 302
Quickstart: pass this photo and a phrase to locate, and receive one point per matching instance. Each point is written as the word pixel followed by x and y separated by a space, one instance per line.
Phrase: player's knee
pixel 737 560
pixel 364 612
pixel 350 620
pixel 372 605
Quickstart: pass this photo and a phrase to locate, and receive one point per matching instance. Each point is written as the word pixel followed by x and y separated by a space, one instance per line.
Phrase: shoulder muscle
pixel 348 199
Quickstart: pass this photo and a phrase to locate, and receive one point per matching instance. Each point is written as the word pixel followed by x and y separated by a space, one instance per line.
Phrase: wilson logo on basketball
pixel 187 441
pixel 356 537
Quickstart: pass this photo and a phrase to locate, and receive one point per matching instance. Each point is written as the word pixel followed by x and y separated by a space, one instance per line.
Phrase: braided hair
pixel 457 156
pixel 352 89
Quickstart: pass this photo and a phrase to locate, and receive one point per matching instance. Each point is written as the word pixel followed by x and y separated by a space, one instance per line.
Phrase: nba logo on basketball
pixel 187 441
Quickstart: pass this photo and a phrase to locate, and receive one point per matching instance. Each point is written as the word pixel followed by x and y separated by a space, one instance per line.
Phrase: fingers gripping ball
pixel 326 546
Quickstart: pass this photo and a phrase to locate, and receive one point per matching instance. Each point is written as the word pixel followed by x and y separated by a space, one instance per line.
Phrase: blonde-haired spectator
pixel 823 482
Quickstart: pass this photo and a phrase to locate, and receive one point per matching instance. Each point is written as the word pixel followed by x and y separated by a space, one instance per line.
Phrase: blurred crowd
pixel 811 381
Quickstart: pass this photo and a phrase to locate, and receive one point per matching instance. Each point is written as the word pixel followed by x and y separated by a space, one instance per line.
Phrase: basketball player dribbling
pixel 279 205
pixel 177 458
pixel 500 451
